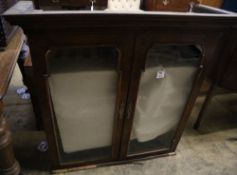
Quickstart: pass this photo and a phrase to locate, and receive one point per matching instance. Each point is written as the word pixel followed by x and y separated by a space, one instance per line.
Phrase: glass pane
pixel 164 89
pixel 83 86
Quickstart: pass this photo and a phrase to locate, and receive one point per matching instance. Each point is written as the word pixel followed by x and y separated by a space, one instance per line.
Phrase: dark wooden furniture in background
pixel 128 39
pixel 69 4
pixel 29 81
pixel 156 5
pixel 213 3
pixel 169 5
pixel 6 30
pixel 8 59
pixel 226 78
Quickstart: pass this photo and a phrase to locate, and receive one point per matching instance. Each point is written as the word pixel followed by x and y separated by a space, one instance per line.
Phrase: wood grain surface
pixel 8 59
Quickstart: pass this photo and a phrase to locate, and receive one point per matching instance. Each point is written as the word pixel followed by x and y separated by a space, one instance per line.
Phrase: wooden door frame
pixel 40 44
pixel 144 42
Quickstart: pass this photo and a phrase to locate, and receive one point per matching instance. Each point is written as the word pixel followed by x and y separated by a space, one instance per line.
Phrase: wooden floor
pixel 210 151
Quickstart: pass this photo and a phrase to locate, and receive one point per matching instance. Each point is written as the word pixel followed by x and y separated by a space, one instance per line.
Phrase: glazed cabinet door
pixel 165 81
pixel 85 86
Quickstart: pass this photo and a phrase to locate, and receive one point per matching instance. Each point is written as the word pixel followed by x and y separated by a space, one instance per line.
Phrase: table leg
pixel 8 163
pixel 204 106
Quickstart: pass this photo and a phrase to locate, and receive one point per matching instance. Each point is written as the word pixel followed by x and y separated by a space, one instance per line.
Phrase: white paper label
pixel 160 74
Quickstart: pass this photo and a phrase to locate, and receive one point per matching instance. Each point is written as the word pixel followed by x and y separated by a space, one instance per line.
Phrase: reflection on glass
pixel 83 85
pixel 164 89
